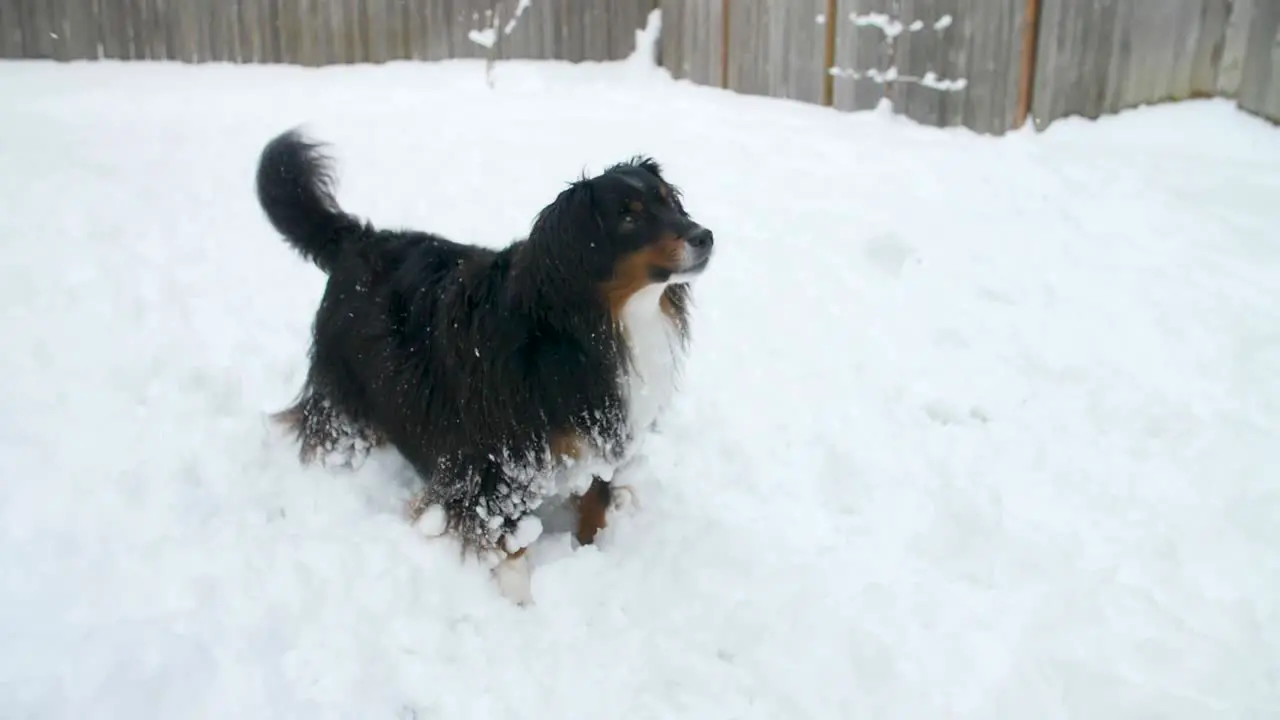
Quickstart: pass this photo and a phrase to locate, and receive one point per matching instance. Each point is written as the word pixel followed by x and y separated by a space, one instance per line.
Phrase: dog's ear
pixel 643 162
pixel 573 214
pixel 651 166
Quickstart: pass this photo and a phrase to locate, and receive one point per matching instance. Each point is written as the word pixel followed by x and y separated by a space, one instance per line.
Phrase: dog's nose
pixel 700 238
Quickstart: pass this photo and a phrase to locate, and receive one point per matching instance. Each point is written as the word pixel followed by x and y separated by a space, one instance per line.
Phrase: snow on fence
pixel 984 64
pixel 940 62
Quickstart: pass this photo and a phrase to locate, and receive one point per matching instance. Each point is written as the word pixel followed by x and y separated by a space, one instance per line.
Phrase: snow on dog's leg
pixel 515 578
pixel 429 519
pixel 348 443
pixel 351 445
pixel 623 496
pixel 326 433
pixel 513 572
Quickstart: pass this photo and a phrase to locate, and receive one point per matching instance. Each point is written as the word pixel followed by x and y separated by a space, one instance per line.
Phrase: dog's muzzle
pixel 697 254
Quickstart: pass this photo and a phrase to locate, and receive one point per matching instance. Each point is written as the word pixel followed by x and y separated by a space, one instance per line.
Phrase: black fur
pixel 295 186
pixel 471 361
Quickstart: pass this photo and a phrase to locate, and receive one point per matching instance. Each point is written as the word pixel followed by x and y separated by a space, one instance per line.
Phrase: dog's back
pixel 392 317
pixel 295 186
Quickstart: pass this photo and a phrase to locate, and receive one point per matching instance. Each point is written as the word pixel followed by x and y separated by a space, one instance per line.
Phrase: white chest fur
pixel 655 348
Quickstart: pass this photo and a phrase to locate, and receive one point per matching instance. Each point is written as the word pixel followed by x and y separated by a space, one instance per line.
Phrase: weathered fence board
pixel 139 29
pixel 1101 56
pixel 1260 73
pixel 182 31
pixel 862 54
pixel 74 29
pixel 692 42
pixel 113 28
pixel 11 29
pixel 37 28
pixel 253 25
pixel 314 31
pixel 777 48
pixel 1207 55
pixel 218 40
pixel 624 21
pixel 434 30
pixel 562 29
pixel 1233 47
pixel 940 62
pixel 533 33
pixel 156 34
pixel 387 39
pixel 472 16
pixel 571 46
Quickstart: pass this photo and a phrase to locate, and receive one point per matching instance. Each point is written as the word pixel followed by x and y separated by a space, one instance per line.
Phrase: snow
pixel 970 428
pixel 891 27
pixel 433 521
pixel 931 80
pixel 527 530
pixel 487 37
pixel 515 17
pixel 484 37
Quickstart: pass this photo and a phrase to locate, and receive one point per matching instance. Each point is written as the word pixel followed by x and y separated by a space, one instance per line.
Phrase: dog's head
pixel 625 229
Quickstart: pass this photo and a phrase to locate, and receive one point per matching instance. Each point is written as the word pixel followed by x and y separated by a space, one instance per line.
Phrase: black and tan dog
pixel 504 377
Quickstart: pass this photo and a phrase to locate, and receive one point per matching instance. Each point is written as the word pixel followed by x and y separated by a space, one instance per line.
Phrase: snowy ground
pixel 973 428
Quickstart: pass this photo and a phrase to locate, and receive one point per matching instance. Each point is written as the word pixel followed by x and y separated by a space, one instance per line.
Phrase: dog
pixel 505 377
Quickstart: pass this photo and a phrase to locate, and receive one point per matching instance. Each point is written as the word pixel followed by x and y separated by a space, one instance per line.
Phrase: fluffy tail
pixel 295 189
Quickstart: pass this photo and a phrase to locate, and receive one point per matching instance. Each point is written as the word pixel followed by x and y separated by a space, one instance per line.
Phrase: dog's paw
pixel 515 580
pixel 623 498
pixel 347 451
pixel 429 520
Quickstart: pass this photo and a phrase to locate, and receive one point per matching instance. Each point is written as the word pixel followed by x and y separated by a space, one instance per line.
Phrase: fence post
pixel 724 43
pixel 829 53
pixel 1030 49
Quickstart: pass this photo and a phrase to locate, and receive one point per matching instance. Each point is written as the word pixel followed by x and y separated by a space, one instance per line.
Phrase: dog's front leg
pixel 593 507
pixel 515 578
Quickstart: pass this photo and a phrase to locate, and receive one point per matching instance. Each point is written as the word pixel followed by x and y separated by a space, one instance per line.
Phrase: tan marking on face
pixel 636 206
pixel 665 191
pixel 632 273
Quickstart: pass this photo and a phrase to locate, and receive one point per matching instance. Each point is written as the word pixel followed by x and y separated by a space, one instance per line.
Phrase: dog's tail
pixel 295 189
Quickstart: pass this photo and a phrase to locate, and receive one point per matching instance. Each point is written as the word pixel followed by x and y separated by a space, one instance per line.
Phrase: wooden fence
pixel 1258 84
pixel 983 64
pixel 319 32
